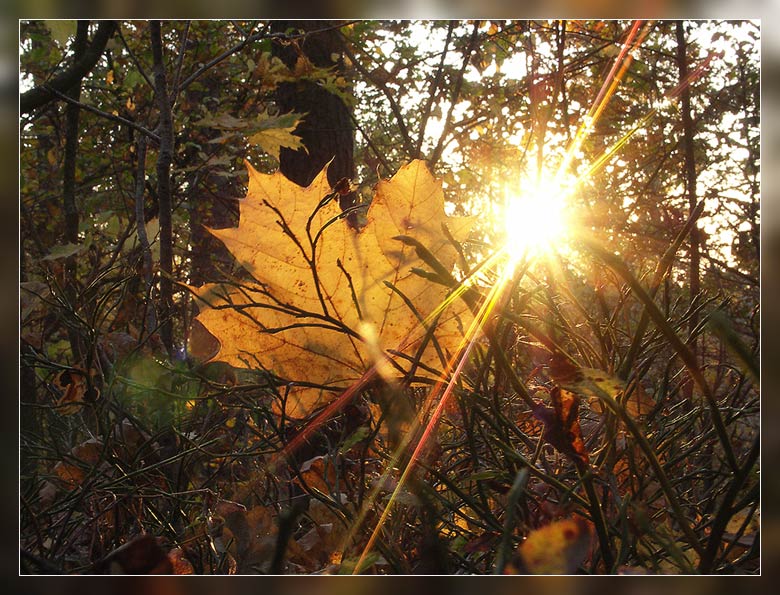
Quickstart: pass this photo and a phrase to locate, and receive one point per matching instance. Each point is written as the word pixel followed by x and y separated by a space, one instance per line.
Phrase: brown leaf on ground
pixel 82 456
pixel 76 389
pixel 140 555
pixel 590 382
pixel 557 548
pixel 562 426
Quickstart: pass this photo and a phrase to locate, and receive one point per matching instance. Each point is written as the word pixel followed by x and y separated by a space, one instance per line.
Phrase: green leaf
pixel 349 565
pixel 63 251
pixel 484 475
pixel 223 122
pixel 590 383
pixel 360 434
pixel 61 31
pixel 132 79
pixel 270 133
pixel 272 140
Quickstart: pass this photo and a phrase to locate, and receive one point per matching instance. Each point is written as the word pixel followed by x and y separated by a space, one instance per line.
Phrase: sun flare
pixel 534 217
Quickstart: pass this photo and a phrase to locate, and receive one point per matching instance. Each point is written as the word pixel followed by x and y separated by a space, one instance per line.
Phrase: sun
pixel 535 216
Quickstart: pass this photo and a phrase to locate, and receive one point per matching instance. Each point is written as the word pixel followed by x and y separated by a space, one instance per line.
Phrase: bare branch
pixel 89 108
pixel 43 94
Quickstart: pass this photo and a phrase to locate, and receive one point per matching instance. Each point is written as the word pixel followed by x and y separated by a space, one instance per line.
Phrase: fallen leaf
pixel 320 472
pixel 482 543
pixel 75 388
pixel 326 538
pixel 557 548
pixel 88 454
pixel 140 555
pixel 251 535
pixel 179 563
pixel 47 493
pixel 562 426
pixel 318 283
pixel 747 518
pixel 588 382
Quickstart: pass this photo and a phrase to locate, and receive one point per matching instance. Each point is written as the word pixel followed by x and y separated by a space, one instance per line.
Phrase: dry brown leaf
pixel 587 382
pixel 326 538
pixel 319 472
pixel 250 535
pixel 310 323
pixel 140 555
pixel 89 453
pixel 562 426
pixel 179 562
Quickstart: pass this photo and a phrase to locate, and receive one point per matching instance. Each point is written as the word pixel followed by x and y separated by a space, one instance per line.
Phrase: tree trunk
pixel 69 207
pixel 164 160
pixel 690 171
pixel 326 130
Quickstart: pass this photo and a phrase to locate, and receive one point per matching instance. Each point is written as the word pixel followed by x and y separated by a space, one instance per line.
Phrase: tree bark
pixel 211 196
pixel 326 130
pixel 69 207
pixel 42 94
pixel 690 171
pixel 164 160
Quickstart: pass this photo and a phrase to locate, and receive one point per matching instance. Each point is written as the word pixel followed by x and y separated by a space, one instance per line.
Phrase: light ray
pixel 336 405
pixel 427 406
pixel 441 393
pixel 608 87
pixel 668 98
pixel 455 365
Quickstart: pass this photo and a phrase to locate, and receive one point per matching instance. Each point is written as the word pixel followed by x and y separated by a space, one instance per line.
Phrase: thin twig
pixel 43 94
pixel 437 152
pixel 433 90
pixel 180 63
pixel 251 39
pixel 394 107
pixel 135 59
pixel 103 114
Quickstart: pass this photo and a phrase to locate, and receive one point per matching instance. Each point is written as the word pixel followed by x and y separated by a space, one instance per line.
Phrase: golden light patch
pixel 535 216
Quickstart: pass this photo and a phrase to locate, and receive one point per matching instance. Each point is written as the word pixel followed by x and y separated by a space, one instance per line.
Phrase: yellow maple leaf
pixel 326 295
pixel 273 139
pixel 557 548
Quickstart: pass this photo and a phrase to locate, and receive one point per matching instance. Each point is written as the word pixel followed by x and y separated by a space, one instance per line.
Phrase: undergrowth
pixel 201 458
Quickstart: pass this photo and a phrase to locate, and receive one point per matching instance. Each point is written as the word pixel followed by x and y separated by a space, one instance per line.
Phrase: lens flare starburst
pixel 535 217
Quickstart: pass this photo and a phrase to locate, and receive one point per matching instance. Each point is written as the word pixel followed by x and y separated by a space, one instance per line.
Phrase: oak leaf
pixel 326 300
